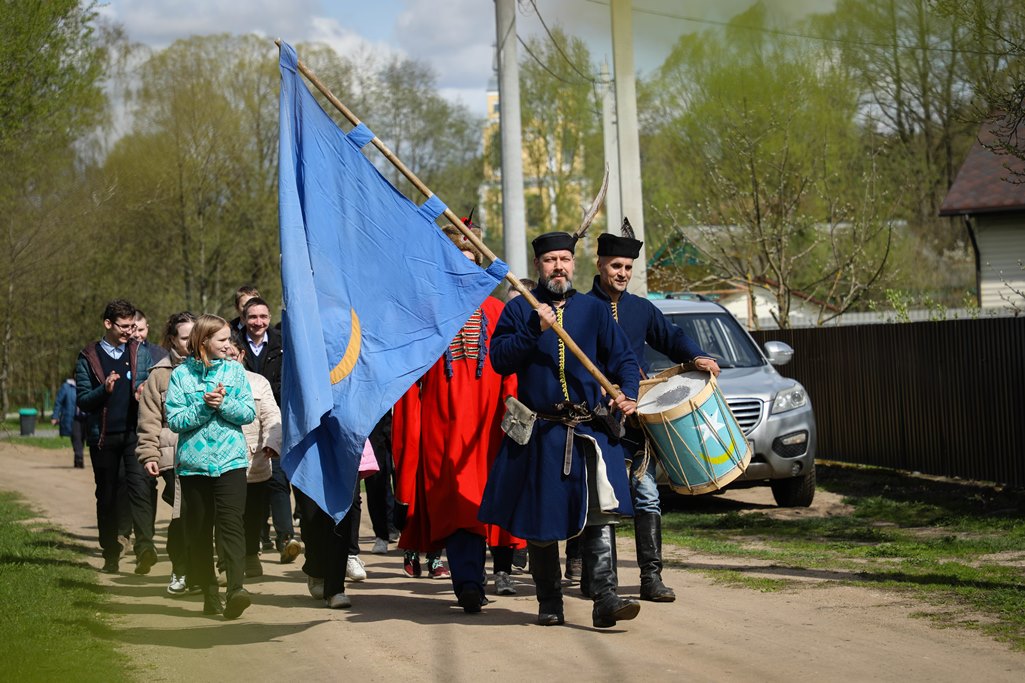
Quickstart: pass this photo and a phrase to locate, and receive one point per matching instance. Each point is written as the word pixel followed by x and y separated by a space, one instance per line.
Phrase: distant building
pixel 990 197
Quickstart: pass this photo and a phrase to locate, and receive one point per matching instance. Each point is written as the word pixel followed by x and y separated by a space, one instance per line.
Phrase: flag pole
pixel 611 389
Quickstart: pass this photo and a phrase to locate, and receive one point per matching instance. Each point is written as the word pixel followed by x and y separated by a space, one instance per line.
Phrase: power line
pixel 559 47
pixel 808 36
pixel 545 66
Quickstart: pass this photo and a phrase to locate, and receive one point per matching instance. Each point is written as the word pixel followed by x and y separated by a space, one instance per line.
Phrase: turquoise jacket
pixel 210 442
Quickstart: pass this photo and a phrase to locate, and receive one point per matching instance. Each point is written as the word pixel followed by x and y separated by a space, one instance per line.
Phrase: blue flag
pixel 374 292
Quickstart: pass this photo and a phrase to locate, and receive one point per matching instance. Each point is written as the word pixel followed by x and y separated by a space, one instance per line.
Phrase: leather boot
pixel 648 534
pixel 212 603
pixel 600 569
pixel 546 571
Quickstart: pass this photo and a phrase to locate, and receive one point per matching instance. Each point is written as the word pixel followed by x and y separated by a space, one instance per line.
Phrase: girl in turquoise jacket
pixel 208 401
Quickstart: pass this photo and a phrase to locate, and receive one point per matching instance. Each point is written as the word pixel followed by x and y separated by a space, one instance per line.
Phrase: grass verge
pixel 50 442
pixel 958 547
pixel 51 603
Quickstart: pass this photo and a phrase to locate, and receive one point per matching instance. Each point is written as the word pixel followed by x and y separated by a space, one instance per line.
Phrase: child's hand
pixel 215 397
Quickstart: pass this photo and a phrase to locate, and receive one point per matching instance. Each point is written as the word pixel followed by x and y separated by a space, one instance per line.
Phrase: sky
pixel 456 37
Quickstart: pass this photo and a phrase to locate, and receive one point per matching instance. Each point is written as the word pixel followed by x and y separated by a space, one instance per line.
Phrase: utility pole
pixel 514 215
pixel 629 145
pixel 613 204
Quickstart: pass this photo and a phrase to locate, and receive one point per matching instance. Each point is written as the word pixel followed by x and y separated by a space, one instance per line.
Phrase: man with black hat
pixel 567 479
pixel 642 322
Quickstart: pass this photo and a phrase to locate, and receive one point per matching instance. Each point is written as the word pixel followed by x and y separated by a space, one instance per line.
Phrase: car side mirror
pixel 778 353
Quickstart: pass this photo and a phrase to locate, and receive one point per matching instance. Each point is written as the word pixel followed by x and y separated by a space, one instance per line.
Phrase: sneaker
pixel 411 564
pixel 504 584
pixel 574 569
pixel 267 544
pixel 519 560
pixel 354 570
pixel 237 603
pixel 177 585
pixel 437 569
pixel 290 550
pixel 338 601
pixel 253 567
pixel 110 565
pixel 316 587
pixel 147 558
pixel 380 547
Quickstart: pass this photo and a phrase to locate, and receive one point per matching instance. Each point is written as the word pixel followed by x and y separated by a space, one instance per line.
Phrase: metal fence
pixel 944 398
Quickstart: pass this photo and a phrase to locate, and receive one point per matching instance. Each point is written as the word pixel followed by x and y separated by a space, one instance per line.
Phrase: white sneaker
pixel 338 601
pixel 354 570
pixel 177 585
pixel 316 587
pixel 380 547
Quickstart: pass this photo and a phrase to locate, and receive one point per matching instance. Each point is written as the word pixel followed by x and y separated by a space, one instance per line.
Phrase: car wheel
pixel 797 492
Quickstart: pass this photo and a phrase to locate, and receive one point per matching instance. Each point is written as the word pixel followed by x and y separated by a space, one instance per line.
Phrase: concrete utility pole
pixel 631 199
pixel 514 214
pixel 613 205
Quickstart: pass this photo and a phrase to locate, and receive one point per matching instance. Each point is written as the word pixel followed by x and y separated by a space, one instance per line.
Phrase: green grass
pixel 959 548
pixel 51 442
pixel 49 622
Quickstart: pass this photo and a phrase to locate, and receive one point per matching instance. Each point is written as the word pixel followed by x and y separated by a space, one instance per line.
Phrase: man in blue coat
pixel 642 322
pixel 569 479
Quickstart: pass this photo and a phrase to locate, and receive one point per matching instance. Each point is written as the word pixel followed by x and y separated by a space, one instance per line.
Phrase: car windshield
pixel 717 334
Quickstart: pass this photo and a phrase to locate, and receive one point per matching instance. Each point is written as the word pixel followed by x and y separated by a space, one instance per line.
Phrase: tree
pixel 757 139
pixel 51 66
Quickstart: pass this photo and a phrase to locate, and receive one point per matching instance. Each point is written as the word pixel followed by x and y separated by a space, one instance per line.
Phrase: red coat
pixel 445 434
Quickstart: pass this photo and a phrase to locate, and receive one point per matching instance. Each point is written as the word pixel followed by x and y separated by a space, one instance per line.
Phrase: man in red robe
pixel 446 432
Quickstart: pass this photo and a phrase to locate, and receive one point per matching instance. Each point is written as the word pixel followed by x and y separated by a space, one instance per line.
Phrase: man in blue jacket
pixel 642 322
pixel 569 479
pixel 108 378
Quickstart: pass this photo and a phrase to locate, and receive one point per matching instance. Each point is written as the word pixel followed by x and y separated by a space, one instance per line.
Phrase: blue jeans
pixel 644 489
pixel 279 494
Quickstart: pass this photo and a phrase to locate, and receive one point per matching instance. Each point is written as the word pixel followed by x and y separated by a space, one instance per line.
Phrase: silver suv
pixel 774 411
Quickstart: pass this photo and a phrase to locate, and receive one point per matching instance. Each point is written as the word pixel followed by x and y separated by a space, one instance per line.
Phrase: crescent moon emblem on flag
pixel 351 355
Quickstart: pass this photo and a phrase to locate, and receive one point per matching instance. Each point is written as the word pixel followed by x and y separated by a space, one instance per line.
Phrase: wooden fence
pixel 944 398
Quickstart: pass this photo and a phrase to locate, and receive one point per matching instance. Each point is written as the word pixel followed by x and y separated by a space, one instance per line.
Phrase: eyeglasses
pixel 131 327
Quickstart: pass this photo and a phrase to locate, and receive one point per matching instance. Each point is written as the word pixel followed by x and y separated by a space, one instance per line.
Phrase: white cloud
pixel 158 23
pixel 345 41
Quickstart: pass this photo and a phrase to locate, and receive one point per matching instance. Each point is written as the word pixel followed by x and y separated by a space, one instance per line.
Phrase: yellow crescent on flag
pixel 351 355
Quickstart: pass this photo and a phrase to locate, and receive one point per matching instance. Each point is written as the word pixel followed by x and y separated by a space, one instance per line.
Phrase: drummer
pixel 642 323
pixel 567 480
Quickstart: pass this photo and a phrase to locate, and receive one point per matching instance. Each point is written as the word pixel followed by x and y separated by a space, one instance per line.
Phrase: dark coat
pixel 526 492
pixel 643 322
pixel 269 362
pixel 91 395
pixel 64 408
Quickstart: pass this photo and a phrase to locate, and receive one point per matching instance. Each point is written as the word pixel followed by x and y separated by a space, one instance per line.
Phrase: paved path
pixel 412 630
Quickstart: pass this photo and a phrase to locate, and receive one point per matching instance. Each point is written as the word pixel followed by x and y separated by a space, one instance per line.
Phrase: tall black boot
pixel 600 569
pixel 648 534
pixel 546 571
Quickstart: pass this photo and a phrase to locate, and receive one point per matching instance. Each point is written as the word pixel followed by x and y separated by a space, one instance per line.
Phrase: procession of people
pixel 508 442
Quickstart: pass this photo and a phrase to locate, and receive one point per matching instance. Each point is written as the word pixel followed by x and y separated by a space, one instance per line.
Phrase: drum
pixel 692 431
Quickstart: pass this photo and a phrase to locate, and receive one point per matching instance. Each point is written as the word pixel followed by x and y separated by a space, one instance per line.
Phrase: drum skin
pixel 697 441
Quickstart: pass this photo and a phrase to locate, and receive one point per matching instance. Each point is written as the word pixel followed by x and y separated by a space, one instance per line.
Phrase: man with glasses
pixel 108 378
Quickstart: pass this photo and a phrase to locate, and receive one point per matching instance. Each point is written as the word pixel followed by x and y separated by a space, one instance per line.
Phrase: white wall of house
pixel 1001 242
pixel 802 313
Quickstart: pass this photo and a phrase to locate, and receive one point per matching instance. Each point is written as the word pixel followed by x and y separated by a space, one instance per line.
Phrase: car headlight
pixel 789 399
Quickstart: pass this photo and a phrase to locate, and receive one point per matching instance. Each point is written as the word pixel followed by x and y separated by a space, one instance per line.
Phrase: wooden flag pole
pixel 611 389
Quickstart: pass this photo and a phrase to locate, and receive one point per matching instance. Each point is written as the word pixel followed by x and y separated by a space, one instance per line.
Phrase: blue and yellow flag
pixel 374 292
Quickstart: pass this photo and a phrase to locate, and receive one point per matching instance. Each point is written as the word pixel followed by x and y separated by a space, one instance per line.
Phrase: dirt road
pixel 411 629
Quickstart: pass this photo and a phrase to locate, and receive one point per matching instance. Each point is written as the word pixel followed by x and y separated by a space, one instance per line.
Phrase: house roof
pixel 983 185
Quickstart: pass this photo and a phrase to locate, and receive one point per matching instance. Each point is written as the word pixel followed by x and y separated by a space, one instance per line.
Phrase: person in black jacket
pixel 264 356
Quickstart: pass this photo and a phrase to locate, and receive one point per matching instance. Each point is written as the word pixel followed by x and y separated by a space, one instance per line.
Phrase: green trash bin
pixel 27 417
